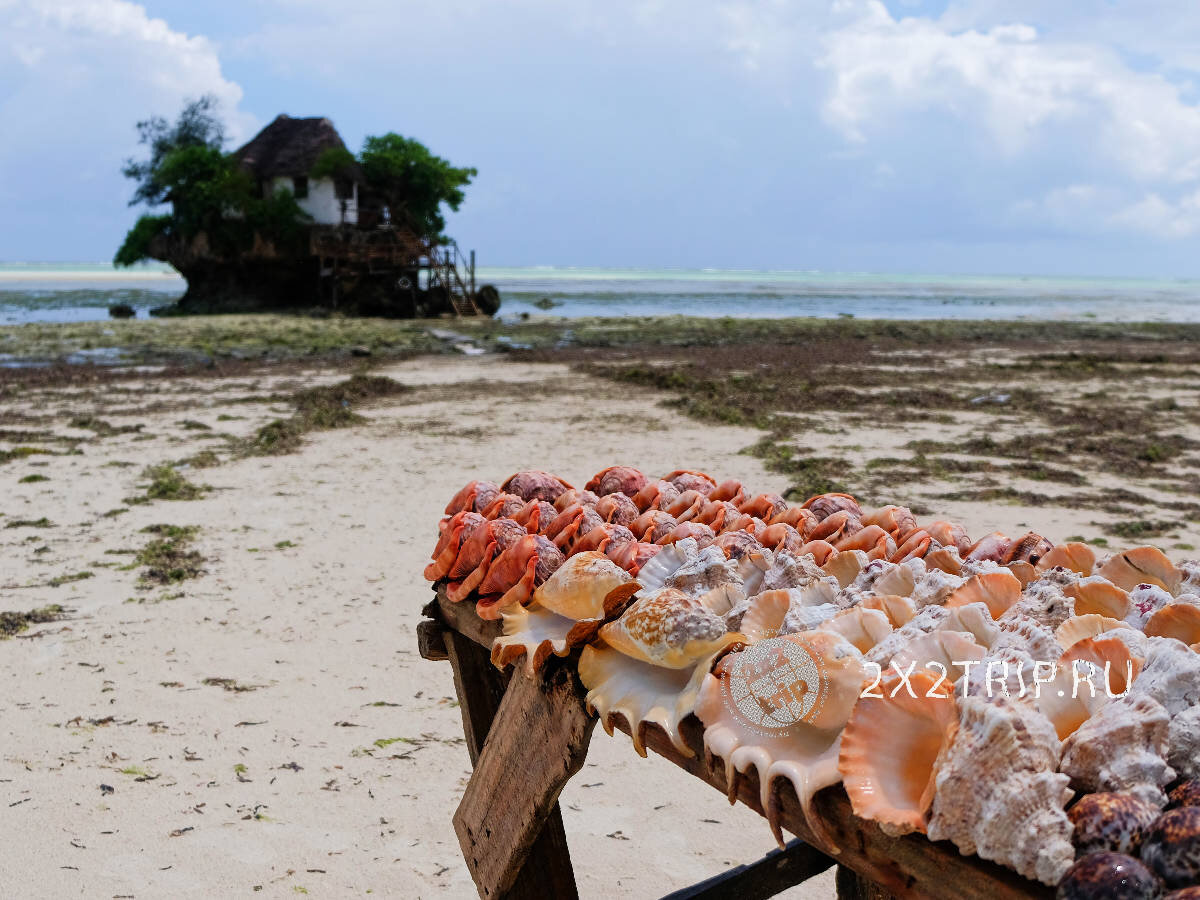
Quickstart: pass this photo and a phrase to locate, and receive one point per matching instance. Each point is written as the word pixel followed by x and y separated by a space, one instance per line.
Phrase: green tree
pixel 207 190
pixel 412 181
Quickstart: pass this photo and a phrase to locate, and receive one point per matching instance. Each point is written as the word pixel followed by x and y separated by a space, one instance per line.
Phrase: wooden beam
pixel 431 641
pixel 774 873
pixel 908 866
pixel 480 687
pixel 538 741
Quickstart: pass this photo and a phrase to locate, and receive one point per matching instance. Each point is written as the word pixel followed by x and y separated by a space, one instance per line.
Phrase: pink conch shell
pixel 567 610
pixel 915 546
pixel 944 558
pixel 1099 596
pixel 820 551
pixel 781 536
pixel 867 539
pixel 895 520
pixel 780 707
pixel 687 505
pixel 694 530
pixel 765 506
pixel 687 480
pixel 459 529
pixel 1176 620
pixel 503 506
pixel 950 534
pixel 515 573
pixel 736 544
pixel 1026 573
pixel 998 589
pixel 656 495
pixel 835 525
pixel 536 516
pixel 617 479
pixel 573 496
pixel 731 490
pixel 535 485
pixel 1141 565
pixel 632 556
pixel 474 497
pixel 1090 625
pixel 1074 556
pixel 616 508
pixel 994 547
pixel 798 517
pixel 1090 674
pixel 476 554
pixel 825 505
pixel 652 524
pixel 600 538
pixel 890 747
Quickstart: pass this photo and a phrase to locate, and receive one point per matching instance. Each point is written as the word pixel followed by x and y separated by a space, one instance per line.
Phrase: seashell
pixel 845 566
pixel 535 515
pixel 686 506
pixel 1142 565
pixel 1171 675
pixel 928 619
pixel 889 750
pixel 617 479
pixel 780 707
pixel 573 496
pixel 515 573
pixel 1172 847
pixel 825 505
pixel 1045 602
pixel 503 506
pixel 1029 547
pixel 701 572
pixel 994 547
pixel 1078 628
pixel 899 610
pixel 686 480
pixel 1186 793
pixel 535 485
pixel 894 520
pixel 950 534
pixel 798 517
pixel 932 587
pixel 788 571
pixel 866 539
pixel 459 529
pixel 1025 572
pixel 915 545
pixel 998 590
pixel 769 613
pixel 884 577
pixel 600 537
pixel 716 513
pixel 617 509
pixel 668 629
pixel 1027 635
pixel 997 793
pixel 761 616
pixel 731 490
pixel 939 652
pixel 736 544
pixel 1123 747
pixel 1073 555
pixel 1176 620
pixel 1187 893
pixel 702 534
pixel 765 506
pixel 474 497
pixel 1110 822
pixel 566 611
pixel 819 551
pixel 1108 875
pixel 807 618
pixel 1100 596
pixel 945 559
pixel 862 627
pixel 833 526
pixel 652 524
pixel 656 495
pixel 976 620
pixel 1144 601
pixel 475 556
pixel 1089 675
pixel 631 556
pixel 781 537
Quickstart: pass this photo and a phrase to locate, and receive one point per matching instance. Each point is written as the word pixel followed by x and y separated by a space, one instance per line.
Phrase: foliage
pixel 334 162
pixel 207 190
pixel 413 182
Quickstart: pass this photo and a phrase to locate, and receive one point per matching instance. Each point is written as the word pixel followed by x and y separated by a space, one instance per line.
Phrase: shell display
pixel 663 587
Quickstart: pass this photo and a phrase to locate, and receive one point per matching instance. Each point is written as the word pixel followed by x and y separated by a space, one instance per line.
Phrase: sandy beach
pixel 268 726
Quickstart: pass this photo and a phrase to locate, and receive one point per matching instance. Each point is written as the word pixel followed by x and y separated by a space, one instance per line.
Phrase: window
pixel 344 188
pixel 300 186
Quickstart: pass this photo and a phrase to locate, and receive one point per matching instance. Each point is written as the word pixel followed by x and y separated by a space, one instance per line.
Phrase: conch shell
pixel 1099 596
pixel 1078 628
pixel 1142 565
pixel 1176 620
pixel 780 707
pixel 651 663
pixel 890 747
pixel 998 590
pixel 997 792
pixel 566 611
pixel 1089 675
pixel 1074 556
pixel 617 479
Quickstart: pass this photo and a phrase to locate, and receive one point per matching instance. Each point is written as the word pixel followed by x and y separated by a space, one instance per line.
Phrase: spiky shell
pixel 1123 747
pixel 899 610
pixel 1090 674
pixel 940 652
pixel 1096 595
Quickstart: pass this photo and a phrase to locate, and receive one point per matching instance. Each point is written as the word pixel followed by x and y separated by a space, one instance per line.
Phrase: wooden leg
pixel 852 886
pixel 771 875
pixel 545 870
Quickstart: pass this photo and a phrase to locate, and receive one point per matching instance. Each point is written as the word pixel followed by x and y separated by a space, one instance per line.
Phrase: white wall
pixel 322 202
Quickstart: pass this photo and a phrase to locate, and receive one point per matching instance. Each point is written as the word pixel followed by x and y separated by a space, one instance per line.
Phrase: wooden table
pixel 527 738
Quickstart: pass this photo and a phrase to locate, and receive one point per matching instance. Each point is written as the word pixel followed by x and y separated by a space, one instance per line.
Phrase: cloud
pixel 75 75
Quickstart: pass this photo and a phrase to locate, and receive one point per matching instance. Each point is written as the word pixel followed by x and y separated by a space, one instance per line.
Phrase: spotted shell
pixel 1186 793
pixel 1108 875
pixel 1110 821
pixel 668 629
pixel 1172 847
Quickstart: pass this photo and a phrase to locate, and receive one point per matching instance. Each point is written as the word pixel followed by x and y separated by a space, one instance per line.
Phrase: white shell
pixel 998 794
pixel 1171 675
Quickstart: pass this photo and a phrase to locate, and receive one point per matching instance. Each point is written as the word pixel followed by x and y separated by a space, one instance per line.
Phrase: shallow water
pixel 83 292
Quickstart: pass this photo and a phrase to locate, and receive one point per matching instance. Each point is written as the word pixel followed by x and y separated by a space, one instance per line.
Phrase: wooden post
pixel 547 870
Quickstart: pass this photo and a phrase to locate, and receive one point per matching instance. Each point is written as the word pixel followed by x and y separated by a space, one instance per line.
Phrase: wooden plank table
pixel 527 738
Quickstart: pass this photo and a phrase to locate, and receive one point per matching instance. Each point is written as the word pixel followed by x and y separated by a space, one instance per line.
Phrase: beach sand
pixel 269 725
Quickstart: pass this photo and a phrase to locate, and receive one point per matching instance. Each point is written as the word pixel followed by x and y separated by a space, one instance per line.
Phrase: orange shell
pixel 889 748
pixel 1142 565
pixel 1095 596
pixel 999 590
pixel 1176 620
pixel 1074 556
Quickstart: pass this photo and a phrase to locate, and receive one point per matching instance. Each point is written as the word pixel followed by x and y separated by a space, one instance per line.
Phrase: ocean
pixel 80 292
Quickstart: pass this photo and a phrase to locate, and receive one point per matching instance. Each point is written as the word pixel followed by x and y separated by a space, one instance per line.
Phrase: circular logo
pixel 773 685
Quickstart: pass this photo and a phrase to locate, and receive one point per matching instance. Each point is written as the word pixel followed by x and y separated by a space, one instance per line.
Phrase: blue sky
pixel 985 136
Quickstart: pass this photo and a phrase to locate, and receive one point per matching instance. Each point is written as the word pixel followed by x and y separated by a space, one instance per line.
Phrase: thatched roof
pixel 290 147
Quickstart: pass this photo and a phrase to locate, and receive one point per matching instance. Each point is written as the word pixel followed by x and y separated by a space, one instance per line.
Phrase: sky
pixel 925 136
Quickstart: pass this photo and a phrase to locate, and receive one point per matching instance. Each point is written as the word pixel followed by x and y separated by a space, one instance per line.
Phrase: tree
pixel 412 181
pixel 207 190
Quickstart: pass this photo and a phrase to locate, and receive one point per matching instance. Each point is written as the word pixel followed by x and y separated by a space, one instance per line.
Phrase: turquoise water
pixel 79 292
